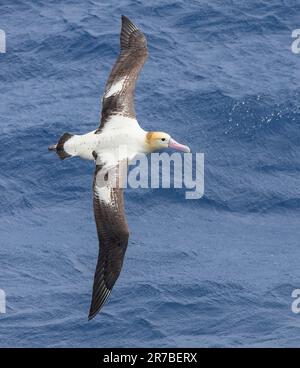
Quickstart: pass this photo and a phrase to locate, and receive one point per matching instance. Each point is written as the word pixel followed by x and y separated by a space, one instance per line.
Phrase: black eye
pixel 163 139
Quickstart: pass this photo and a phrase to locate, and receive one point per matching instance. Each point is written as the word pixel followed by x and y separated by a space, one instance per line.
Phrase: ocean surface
pixel 214 272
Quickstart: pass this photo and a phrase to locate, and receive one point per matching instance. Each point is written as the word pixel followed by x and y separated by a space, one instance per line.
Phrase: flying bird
pixel 118 127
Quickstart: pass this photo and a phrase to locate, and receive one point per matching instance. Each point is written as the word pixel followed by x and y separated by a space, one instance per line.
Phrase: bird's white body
pixel 121 138
pixel 117 141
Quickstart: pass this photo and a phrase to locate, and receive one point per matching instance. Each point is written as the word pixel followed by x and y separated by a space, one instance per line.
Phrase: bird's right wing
pixel 113 236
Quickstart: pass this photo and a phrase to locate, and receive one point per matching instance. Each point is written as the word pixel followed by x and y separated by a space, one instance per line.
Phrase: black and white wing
pixel 118 97
pixel 113 237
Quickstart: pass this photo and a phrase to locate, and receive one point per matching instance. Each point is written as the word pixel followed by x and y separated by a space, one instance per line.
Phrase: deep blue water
pixel 218 271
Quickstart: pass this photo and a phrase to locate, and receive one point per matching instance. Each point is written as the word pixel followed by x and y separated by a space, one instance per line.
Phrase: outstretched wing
pixel 118 97
pixel 113 237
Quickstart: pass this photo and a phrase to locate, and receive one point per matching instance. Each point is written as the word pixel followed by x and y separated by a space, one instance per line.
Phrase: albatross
pixel 118 127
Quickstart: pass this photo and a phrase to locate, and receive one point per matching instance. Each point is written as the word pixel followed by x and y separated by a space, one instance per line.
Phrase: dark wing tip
pixel 127 23
pixel 98 302
pixel 131 36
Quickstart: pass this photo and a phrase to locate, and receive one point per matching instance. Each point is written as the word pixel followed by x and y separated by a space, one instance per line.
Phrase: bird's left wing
pixel 113 234
pixel 118 97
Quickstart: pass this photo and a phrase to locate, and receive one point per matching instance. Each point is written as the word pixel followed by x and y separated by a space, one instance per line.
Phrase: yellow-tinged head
pixel 156 141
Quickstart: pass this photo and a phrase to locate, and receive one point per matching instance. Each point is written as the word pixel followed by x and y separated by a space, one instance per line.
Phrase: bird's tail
pixel 59 147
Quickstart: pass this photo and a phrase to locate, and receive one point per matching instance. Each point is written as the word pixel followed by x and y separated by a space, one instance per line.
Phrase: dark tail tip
pixel 59 147
pixel 62 140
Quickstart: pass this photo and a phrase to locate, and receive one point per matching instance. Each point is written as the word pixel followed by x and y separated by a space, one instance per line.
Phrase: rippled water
pixel 218 271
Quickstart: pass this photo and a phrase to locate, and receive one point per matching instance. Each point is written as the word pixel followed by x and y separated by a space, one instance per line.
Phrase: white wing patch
pixel 117 123
pixel 103 194
pixel 115 88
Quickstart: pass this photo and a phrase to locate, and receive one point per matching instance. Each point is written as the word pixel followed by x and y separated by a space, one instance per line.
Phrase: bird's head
pixel 159 140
